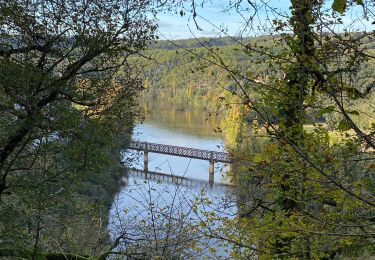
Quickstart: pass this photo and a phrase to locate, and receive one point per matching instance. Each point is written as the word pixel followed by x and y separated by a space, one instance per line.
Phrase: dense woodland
pixel 184 72
pixel 296 108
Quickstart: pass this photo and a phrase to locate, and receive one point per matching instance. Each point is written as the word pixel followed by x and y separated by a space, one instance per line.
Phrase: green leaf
pixel 353 112
pixel 343 125
pixel 359 2
pixel 326 110
pixel 353 93
pixel 339 6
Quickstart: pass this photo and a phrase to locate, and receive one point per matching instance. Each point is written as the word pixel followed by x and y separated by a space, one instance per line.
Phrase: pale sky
pixel 177 27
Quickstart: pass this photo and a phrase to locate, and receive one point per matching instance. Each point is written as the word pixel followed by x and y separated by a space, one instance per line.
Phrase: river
pixel 165 209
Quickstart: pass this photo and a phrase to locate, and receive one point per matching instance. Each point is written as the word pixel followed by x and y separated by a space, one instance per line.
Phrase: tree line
pixel 68 87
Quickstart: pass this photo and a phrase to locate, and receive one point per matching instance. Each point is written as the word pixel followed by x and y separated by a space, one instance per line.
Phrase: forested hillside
pixel 188 74
pixel 295 106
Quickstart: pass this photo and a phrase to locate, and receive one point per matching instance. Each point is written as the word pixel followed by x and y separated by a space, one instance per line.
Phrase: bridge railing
pixel 181 151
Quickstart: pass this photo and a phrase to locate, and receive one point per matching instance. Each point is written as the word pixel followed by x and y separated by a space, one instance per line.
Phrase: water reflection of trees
pixel 153 219
pixel 196 121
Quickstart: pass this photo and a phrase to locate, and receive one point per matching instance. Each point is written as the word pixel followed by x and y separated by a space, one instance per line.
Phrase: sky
pixel 212 19
pixel 175 26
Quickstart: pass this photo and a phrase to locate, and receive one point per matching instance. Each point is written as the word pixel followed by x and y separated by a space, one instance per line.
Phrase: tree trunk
pixel 291 110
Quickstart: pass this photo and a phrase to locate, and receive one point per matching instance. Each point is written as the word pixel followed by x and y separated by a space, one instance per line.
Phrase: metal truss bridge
pixel 181 151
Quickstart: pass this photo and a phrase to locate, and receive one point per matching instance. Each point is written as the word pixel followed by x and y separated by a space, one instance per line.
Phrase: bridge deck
pixel 181 151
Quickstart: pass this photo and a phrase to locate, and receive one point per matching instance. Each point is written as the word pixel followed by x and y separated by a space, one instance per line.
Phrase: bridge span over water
pixel 211 156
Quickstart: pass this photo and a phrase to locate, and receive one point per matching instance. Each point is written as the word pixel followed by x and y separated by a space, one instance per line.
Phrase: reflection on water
pixel 160 212
pixel 151 215
pixel 166 124
pixel 199 123
pixel 219 188
pixel 181 166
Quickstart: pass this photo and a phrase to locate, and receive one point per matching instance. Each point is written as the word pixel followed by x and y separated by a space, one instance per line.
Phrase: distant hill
pixel 194 43
pixel 184 71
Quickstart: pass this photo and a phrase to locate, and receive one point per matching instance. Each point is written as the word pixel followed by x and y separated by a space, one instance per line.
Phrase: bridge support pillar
pixel 211 172
pixel 145 161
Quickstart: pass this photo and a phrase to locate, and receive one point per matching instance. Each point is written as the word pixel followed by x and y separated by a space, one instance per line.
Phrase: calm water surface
pixel 142 196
